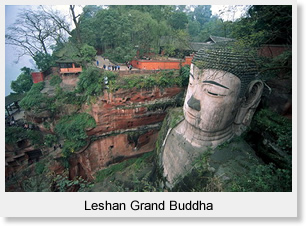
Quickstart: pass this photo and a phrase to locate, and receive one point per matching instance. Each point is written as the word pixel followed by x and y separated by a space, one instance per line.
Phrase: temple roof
pixel 217 39
pixel 68 61
pixel 13 97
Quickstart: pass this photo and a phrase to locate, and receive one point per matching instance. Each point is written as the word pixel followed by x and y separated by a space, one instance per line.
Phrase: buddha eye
pixel 214 91
pixel 215 94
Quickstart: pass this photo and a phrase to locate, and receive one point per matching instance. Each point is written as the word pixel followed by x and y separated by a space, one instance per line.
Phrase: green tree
pixel 91 82
pixel 24 81
pixel 144 31
pixel 276 20
pixel 108 27
pixel 34 98
pixel 119 31
pixel 202 13
pixel 216 27
pixel 73 129
pixel 178 20
pixel 35 31
pixel 87 54
pixel 44 61
pixel 265 24
pixel 194 28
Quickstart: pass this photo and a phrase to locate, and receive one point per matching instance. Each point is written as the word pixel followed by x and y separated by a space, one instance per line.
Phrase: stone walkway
pixel 107 62
pixel 19 115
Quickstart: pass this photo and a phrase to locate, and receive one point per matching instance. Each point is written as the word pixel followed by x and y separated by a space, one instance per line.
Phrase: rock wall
pixel 109 150
pixel 130 108
pixel 128 122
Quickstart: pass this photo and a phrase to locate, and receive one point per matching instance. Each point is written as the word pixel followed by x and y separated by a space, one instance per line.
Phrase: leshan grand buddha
pixel 222 96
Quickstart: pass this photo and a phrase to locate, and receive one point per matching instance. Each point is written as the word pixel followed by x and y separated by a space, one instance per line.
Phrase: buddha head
pixel 223 92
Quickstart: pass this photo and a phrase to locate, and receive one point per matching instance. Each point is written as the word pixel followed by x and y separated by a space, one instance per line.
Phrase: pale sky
pixel 12 70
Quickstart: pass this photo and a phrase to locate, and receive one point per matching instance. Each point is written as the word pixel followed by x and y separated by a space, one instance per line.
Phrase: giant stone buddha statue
pixel 221 98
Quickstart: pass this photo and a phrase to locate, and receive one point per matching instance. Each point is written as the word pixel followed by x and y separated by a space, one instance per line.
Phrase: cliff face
pixel 127 125
pixel 109 150
pixel 130 108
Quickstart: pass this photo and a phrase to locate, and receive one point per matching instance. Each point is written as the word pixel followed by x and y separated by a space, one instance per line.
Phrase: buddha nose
pixel 194 103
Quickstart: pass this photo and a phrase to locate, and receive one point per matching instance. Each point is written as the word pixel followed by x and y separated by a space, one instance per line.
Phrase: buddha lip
pixel 191 115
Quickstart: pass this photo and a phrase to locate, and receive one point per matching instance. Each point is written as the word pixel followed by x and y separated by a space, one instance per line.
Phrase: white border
pixel 225 204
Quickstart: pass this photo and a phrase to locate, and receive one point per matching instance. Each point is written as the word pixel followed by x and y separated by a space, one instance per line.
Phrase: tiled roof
pixel 13 97
pixel 217 39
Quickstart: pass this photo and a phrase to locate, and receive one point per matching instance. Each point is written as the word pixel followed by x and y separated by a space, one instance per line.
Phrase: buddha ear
pixel 249 105
pixel 253 94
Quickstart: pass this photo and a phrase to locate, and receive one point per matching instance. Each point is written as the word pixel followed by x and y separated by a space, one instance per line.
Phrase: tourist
pixel 12 121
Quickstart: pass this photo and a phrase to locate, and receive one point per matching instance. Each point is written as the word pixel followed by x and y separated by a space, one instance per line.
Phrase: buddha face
pixel 212 100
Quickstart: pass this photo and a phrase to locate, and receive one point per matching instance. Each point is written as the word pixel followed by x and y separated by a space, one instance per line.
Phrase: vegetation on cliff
pixel 131 175
pixel 93 81
pixel 161 79
pixel 14 134
pixel 23 82
pixel 73 129
pixel 34 98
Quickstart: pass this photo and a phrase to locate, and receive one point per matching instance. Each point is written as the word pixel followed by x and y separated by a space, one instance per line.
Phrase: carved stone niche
pixel 221 99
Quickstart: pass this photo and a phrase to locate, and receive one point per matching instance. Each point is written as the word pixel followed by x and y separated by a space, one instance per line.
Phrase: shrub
pixel 264 178
pixel 14 134
pixel 161 79
pixel 35 137
pixel 34 97
pixel 91 82
pixel 39 167
pixel 73 129
pixel 50 140
pixel 62 183
pixel 184 73
pixel 55 80
pixel 278 126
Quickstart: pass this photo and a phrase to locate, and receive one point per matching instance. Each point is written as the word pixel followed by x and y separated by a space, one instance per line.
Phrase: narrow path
pixel 107 62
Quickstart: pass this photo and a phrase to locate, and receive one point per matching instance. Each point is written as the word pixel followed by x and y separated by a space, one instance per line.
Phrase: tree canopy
pixel 121 32
pixel 24 82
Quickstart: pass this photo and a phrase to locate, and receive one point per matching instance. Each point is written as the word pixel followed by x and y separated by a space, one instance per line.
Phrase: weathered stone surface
pixel 108 150
pixel 231 160
pixel 69 80
pixel 220 102
pixel 227 161
pixel 127 125
pixel 126 109
pixel 127 121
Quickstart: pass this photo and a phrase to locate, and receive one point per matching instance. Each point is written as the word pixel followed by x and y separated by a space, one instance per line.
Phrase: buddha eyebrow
pixel 215 83
pixel 192 75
